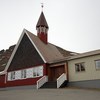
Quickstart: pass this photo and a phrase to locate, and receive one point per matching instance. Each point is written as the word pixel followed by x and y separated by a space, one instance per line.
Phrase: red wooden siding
pixel 28 81
pixel 23 82
pixel 2 81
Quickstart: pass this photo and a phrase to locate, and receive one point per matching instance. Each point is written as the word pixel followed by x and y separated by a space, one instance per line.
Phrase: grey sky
pixel 73 24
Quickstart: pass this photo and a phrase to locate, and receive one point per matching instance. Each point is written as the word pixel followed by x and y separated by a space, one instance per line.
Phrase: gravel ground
pixel 50 94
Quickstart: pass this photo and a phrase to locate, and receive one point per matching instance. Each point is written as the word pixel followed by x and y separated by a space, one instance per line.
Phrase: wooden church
pixel 35 61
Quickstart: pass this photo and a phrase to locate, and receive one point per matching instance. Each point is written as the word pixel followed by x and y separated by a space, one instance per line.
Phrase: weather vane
pixel 42 5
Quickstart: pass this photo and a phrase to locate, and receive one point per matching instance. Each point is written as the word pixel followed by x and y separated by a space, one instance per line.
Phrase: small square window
pixel 97 63
pixel 79 67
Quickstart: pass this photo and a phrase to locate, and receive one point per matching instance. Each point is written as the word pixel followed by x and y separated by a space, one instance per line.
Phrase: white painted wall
pixel 90 73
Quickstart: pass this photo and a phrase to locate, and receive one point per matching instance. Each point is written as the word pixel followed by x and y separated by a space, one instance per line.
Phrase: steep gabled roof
pixel 42 21
pixel 48 52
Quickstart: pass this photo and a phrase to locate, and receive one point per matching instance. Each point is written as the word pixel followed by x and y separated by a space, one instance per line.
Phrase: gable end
pixel 26 56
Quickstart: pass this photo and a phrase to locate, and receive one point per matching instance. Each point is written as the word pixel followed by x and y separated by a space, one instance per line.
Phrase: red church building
pixel 35 61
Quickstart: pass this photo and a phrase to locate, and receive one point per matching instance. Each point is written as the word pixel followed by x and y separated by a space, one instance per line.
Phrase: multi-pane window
pixel 12 75
pixel 79 67
pixel 26 73
pixel 97 63
pixel 37 71
pixel 23 73
pixel 34 72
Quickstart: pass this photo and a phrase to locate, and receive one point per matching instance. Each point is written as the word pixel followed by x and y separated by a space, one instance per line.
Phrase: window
pixel 12 75
pixel 9 76
pixel 79 67
pixel 38 30
pixel 23 74
pixel 38 71
pixel 97 63
pixel 42 29
pixel 34 72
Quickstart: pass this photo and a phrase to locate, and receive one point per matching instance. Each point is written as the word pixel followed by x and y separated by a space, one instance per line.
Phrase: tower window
pixel 42 29
pixel 38 30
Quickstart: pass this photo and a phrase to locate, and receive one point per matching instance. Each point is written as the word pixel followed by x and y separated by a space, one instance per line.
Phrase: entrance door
pixel 56 72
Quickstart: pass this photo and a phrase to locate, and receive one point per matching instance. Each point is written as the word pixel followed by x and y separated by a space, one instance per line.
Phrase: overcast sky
pixel 73 24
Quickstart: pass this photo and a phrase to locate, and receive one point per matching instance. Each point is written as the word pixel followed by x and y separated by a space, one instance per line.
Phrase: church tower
pixel 42 28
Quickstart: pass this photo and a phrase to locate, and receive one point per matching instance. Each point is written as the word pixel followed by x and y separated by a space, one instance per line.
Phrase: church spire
pixel 42 21
pixel 42 28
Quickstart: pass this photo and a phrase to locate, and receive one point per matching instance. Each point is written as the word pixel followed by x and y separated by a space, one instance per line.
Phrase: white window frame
pixel 12 75
pixel 34 72
pixel 37 71
pixel 97 64
pixel 23 74
pixel 9 76
pixel 80 67
pixel 26 73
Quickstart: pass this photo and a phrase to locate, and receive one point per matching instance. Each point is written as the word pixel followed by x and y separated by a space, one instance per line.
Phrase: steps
pixel 64 84
pixel 50 85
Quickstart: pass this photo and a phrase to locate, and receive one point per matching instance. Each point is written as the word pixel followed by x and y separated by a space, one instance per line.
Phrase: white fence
pixel 41 81
pixel 61 80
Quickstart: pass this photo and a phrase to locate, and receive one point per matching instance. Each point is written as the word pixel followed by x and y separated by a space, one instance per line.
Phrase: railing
pixel 61 80
pixel 41 81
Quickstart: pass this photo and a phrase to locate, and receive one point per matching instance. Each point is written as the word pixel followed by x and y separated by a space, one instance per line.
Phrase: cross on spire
pixel 42 5
pixel 42 27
